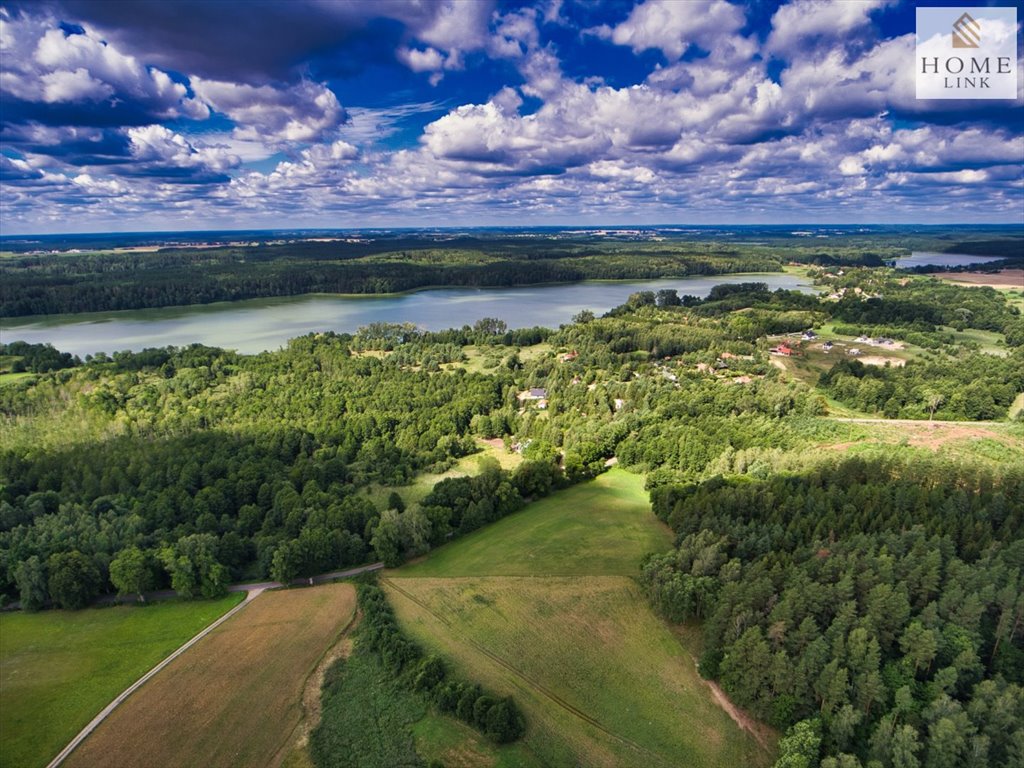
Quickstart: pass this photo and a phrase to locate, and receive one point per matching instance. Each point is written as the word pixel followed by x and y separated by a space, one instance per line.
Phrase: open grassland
pixel 14 378
pixel 59 668
pixel 1017 406
pixel 989 342
pixel 235 698
pixel 541 606
pixel 601 680
pixel 986 442
pixel 455 745
pixel 488 359
pixel 604 526
pixel 424 483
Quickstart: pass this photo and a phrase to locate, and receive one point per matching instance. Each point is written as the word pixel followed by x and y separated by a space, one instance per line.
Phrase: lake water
pixel 930 259
pixel 257 325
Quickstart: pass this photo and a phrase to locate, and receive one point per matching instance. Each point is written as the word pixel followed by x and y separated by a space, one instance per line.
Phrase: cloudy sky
pixel 180 114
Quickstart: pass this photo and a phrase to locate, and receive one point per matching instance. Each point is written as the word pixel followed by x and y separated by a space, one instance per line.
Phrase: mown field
pixel 601 527
pixel 59 668
pixel 541 605
pixel 235 698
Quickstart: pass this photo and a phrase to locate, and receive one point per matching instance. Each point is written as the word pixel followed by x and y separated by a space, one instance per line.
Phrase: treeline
pixel 36 358
pixel 458 505
pixel 410 339
pixel 82 283
pixel 874 605
pixel 972 387
pixel 498 718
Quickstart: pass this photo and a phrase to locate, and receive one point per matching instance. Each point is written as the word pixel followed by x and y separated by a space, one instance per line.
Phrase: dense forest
pixel 94 274
pixel 875 606
pixel 227 467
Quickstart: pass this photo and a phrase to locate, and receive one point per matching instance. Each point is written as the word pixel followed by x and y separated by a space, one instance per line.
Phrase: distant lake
pixel 257 325
pixel 929 259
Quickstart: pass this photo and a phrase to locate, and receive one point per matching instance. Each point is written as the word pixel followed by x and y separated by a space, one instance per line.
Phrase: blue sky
pixel 158 115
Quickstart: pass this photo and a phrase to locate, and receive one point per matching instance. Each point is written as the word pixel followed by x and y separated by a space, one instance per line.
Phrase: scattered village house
pixel 536 395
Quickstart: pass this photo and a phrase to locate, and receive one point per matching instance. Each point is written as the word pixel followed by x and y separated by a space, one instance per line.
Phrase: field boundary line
pixel 296 733
pixel 120 699
pixel 536 685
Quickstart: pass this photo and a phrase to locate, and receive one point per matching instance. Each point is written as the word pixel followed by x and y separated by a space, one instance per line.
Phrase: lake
pixel 257 325
pixel 930 259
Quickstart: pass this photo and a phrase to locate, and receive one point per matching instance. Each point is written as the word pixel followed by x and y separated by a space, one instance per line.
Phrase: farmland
pixel 263 655
pixel 541 606
pixel 600 527
pixel 600 678
pixel 61 667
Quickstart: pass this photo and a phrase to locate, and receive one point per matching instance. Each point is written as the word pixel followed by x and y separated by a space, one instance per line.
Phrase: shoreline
pixel 22 321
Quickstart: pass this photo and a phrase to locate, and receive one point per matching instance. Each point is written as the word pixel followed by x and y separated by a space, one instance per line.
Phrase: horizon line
pixel 520 227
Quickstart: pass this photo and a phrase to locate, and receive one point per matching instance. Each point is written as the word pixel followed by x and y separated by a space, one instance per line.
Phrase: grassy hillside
pixel 601 527
pixel 59 668
pixel 541 606
pixel 243 684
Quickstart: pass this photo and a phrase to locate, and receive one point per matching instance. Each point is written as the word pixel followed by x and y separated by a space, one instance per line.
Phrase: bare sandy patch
pixel 894 362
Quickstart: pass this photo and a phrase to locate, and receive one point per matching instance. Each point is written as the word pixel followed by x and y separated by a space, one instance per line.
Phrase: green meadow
pixel 601 527
pixel 59 668
pixel 542 606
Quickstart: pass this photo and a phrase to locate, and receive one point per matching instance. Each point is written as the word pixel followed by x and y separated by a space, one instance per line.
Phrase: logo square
pixel 966 53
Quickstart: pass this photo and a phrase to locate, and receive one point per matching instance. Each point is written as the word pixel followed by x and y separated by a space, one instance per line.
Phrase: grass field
pixel 455 745
pixel 235 698
pixel 424 482
pixel 1016 406
pixel 14 378
pixel 601 680
pixel 541 606
pixel 59 668
pixel 827 438
pixel 601 527
pixel 989 342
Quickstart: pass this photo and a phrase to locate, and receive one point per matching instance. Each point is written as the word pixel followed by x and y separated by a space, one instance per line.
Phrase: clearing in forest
pixel 235 698
pixel 542 606
pixel 601 527
pixel 59 668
